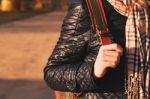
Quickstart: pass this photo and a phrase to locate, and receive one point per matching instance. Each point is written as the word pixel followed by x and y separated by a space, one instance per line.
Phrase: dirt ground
pixel 24 49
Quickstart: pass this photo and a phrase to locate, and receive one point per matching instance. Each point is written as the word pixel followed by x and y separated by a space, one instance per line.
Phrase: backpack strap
pixel 99 21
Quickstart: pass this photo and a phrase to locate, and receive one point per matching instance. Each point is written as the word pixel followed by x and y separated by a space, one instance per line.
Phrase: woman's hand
pixel 108 56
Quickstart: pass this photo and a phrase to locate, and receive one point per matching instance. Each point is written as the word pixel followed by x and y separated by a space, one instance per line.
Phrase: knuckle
pixel 118 55
pixel 114 64
pixel 102 47
pixel 116 45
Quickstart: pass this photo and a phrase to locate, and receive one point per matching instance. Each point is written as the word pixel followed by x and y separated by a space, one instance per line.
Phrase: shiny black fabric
pixel 70 66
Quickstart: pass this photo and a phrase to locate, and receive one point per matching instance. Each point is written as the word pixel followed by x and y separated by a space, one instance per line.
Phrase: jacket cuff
pixel 61 78
pixel 85 79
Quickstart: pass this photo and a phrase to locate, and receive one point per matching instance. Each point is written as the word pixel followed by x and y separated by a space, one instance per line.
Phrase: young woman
pixel 80 64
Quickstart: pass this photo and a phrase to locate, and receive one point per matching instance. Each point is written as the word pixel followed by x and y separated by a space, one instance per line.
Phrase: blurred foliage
pixel 23 5
pixel 26 8
pixel 26 5
pixel 6 17
pixel 58 4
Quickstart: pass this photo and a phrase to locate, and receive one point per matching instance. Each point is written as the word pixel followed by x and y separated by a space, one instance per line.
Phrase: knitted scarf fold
pixel 137 45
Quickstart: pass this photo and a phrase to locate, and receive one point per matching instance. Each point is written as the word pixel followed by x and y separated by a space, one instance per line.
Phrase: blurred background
pixel 29 30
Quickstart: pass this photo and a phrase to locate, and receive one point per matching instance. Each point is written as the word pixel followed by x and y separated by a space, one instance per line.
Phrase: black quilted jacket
pixel 70 66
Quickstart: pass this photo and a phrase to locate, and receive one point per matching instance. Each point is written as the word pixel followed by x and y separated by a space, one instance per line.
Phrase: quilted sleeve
pixel 70 65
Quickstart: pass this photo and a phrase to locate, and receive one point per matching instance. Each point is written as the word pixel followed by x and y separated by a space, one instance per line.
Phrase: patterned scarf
pixel 137 45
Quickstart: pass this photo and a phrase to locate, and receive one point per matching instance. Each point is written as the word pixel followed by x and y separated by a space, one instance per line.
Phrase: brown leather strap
pixel 99 20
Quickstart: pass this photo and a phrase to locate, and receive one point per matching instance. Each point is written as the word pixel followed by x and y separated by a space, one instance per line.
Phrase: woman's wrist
pixel 99 71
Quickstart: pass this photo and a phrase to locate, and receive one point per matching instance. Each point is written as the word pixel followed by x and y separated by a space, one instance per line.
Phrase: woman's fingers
pixel 108 56
pixel 112 56
pixel 113 47
pixel 112 60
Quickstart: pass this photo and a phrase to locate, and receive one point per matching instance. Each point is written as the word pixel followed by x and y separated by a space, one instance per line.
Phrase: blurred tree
pixel 28 4
pixel 58 4
pixel 23 5
pixel 17 5
pixel 6 5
